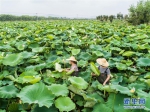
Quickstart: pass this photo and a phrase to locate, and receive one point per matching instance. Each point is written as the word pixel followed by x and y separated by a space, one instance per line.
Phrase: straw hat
pixel 72 58
pixel 103 62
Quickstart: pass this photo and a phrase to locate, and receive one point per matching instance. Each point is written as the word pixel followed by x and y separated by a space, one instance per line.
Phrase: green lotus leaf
pixel 37 94
pixel 75 51
pixel 128 53
pixel 26 54
pixel 142 94
pixel 76 90
pixel 59 90
pixel 89 104
pixel 115 48
pixel 64 104
pixel 106 88
pixel 2 110
pixel 84 56
pixel 127 62
pixel 3 74
pixel 115 102
pixel 38 49
pixel 147 104
pixel 121 89
pixel 20 45
pixel 132 78
pixel 82 63
pixel 117 80
pixel 147 81
pixel 101 107
pixel 121 66
pixel 29 73
pixel 51 37
pixel 52 58
pixel 44 109
pixel 78 82
pixel 14 107
pixel 58 67
pixel 57 74
pixel 147 75
pixel 98 53
pixel 12 59
pixel 28 79
pixel 49 80
pixel 137 86
pixel 143 62
pixel 9 91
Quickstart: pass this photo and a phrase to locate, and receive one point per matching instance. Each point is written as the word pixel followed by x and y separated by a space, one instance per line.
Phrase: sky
pixel 66 8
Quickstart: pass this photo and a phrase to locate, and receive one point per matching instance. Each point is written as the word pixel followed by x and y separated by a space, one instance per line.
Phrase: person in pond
pixel 74 66
pixel 104 76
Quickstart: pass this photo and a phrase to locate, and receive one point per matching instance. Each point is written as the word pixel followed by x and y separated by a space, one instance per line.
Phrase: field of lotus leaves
pixel 33 54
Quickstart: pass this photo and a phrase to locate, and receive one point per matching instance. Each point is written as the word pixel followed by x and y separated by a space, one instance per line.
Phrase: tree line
pixel 8 17
pixel 139 14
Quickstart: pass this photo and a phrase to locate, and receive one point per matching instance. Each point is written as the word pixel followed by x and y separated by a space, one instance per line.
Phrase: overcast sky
pixel 65 8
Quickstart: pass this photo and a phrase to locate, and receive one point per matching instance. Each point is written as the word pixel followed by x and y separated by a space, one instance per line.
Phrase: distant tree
pixel 111 17
pixel 140 13
pixel 119 16
pixel 126 17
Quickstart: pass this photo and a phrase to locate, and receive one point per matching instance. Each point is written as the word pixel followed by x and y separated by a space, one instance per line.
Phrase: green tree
pixel 111 17
pixel 140 13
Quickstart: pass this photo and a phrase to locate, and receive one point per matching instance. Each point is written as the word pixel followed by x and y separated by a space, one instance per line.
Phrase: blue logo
pixel 134 103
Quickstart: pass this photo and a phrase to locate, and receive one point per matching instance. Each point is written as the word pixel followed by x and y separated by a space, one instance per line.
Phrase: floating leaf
pixel 9 91
pixel 75 51
pixel 121 66
pixel 128 53
pixel 59 90
pixel 121 89
pixel 78 82
pixel 143 62
pixel 44 109
pixel 58 67
pixel 12 59
pixel 37 93
pixel 64 104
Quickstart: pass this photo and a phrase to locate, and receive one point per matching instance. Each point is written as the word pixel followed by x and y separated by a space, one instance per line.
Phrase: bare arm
pixel 108 77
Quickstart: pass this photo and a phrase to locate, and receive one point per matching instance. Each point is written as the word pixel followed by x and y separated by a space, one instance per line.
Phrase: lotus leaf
pixel 128 53
pixel 121 89
pixel 58 67
pixel 98 53
pixel 137 86
pixel 9 91
pixel 121 66
pixel 59 90
pixel 44 109
pixel 143 62
pixel 101 107
pixel 37 93
pixel 147 75
pixel 12 59
pixel 64 104
pixel 82 63
pixel 78 82
pixel 20 45
pixel 14 107
pixel 75 51
pixel 29 73
pixel 28 79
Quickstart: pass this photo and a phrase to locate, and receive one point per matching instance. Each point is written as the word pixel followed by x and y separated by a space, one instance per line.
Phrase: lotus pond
pixel 32 55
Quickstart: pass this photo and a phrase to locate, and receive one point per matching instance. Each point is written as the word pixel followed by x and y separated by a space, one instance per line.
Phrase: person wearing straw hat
pixel 104 76
pixel 74 66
